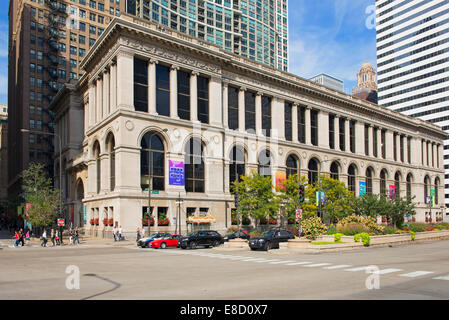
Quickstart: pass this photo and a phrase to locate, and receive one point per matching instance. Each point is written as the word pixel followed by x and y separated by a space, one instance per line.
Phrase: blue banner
pixel 362 188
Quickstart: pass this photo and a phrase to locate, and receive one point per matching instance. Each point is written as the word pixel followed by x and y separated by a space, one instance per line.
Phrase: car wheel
pixel 163 245
pixel 253 249
pixel 267 246
pixel 216 243
pixel 183 247
pixel 193 245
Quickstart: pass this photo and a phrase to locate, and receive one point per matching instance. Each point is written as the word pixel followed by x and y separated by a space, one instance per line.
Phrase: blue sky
pixel 326 36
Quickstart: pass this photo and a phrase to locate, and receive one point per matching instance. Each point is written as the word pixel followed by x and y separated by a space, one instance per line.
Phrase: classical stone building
pixel 159 103
pixel 366 83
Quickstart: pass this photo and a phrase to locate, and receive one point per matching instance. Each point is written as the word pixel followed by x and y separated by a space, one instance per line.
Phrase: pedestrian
pixel 27 236
pixel 22 236
pixel 143 233
pixel 52 235
pixel 70 237
pixel 120 234
pixel 44 239
pixel 76 239
pixel 138 234
pixel 16 238
pixel 57 238
pixel 114 233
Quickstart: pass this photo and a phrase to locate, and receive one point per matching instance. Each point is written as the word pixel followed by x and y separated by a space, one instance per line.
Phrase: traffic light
pixel 301 194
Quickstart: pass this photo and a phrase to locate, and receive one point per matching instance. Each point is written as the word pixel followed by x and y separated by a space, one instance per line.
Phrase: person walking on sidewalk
pixel 57 237
pixel 21 237
pixel 138 237
pixel 16 238
pixel 52 236
pixel 44 239
pixel 115 233
pixel 76 239
pixel 120 234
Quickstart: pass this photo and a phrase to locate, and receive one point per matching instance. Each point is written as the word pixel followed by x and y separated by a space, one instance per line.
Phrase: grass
pixel 324 243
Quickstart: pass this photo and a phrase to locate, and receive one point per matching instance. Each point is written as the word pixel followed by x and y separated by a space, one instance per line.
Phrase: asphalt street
pixel 418 271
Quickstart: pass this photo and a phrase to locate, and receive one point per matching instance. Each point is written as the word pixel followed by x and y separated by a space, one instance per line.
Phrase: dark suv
pixel 270 239
pixel 206 238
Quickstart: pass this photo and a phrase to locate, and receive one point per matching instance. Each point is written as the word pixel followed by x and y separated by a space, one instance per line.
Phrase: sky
pixel 326 36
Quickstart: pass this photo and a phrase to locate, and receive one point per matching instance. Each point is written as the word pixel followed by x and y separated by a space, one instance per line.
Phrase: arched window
pixel 313 171
pixel 264 161
pixel 292 165
pixel 409 185
pixel 110 143
pixel 152 162
pixel 237 164
pixel 351 178
pixel 97 165
pixel 369 180
pixel 194 166
pixel 383 182
pixel 397 184
pixel 437 185
pixel 335 171
pixel 426 188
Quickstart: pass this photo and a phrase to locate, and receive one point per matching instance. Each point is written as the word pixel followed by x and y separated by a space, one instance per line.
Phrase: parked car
pixel 235 235
pixel 206 238
pixel 283 234
pixel 145 242
pixel 269 240
pixel 166 242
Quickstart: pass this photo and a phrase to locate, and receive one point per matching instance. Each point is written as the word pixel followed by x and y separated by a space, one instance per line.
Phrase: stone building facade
pixel 366 83
pixel 154 101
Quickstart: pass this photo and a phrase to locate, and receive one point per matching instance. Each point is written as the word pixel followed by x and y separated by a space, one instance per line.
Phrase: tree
pixel 288 195
pixel 256 197
pixel 40 194
pixel 338 199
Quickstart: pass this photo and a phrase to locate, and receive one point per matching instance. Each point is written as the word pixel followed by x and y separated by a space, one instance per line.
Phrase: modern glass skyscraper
pixel 256 29
pixel 413 63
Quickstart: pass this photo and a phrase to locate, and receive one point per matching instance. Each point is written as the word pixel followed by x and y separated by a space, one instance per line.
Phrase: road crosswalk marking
pixel 267 260
pixel 442 278
pixel 281 262
pixel 255 259
pixel 357 269
pixel 415 274
pixel 386 271
pixel 317 265
pixel 339 266
pixel 298 263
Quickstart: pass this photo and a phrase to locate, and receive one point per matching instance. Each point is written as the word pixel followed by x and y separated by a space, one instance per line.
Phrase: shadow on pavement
pixel 116 285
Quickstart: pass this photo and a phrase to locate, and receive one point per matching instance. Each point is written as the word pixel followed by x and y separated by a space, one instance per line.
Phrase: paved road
pixel 419 271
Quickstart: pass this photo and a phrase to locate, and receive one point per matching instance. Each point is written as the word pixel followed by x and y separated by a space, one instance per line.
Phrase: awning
pixel 207 219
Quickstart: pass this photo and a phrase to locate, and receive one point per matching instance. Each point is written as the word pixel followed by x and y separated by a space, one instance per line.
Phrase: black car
pixel 206 238
pixel 270 239
pixel 236 235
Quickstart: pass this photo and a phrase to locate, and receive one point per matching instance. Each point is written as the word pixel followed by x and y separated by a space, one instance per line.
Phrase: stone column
pixel 379 143
pixel 105 173
pixel 106 90
pixel 225 87
pixel 174 92
pixel 424 153
pixel 215 102
pixel 259 113
pixel 113 87
pixel 370 142
pixel 125 80
pixel 99 98
pixel 152 86
pixel 323 129
pixel 398 147
pixel 92 103
pixel 337 132
pixel 308 126
pixel 295 123
pixel 278 118
pixel 359 142
pixel 194 96
pixel 242 110
pixel 434 155
pixel 440 157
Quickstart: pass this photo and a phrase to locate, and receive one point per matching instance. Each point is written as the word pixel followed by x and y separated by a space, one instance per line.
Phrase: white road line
pixel 298 263
pixel 357 269
pixel 281 262
pixel 415 274
pixel 267 260
pixel 386 271
pixel 442 278
pixel 255 259
pixel 317 265
pixel 340 266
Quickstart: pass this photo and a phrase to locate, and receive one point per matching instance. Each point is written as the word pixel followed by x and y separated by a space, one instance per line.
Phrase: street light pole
pixel 60 167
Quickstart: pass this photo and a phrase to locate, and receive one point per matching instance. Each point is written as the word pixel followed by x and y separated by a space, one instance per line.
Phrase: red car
pixel 165 242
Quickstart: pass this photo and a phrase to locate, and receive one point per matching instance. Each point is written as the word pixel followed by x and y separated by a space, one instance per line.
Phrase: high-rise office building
pixel 329 81
pixel 254 29
pixel 413 65
pixel 47 41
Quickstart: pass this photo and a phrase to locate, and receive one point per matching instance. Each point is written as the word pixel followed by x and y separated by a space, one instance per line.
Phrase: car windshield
pixel 193 234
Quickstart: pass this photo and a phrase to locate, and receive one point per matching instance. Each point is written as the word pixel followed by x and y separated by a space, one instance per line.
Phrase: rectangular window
pixel 302 124
pixel 331 131
pixel 342 131
pixel 314 127
pixel 375 141
pixel 395 146
pixel 163 90
pixel 401 147
pixel 233 108
pixel 288 121
pixel 184 95
pixel 203 99
pixel 250 111
pixel 409 150
pixel 366 139
pixel 352 135
pixel 140 85
pixel 266 116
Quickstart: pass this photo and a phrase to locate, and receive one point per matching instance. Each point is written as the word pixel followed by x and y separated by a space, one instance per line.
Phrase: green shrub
pixel 332 230
pixel 365 239
pixel 232 229
pixel 313 227
pixel 357 237
pixel 412 234
pixel 369 224
pixel 351 229
pixel 337 237
pixel 390 230
pixel 417 226
pixel 442 226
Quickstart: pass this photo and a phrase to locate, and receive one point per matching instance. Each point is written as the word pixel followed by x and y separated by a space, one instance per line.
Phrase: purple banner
pixel 176 173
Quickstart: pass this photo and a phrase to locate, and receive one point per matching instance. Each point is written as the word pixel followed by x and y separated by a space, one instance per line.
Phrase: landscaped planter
pixel 330 238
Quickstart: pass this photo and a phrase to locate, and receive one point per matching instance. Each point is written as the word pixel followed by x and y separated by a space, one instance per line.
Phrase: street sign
pixel 299 214
pixel 61 222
